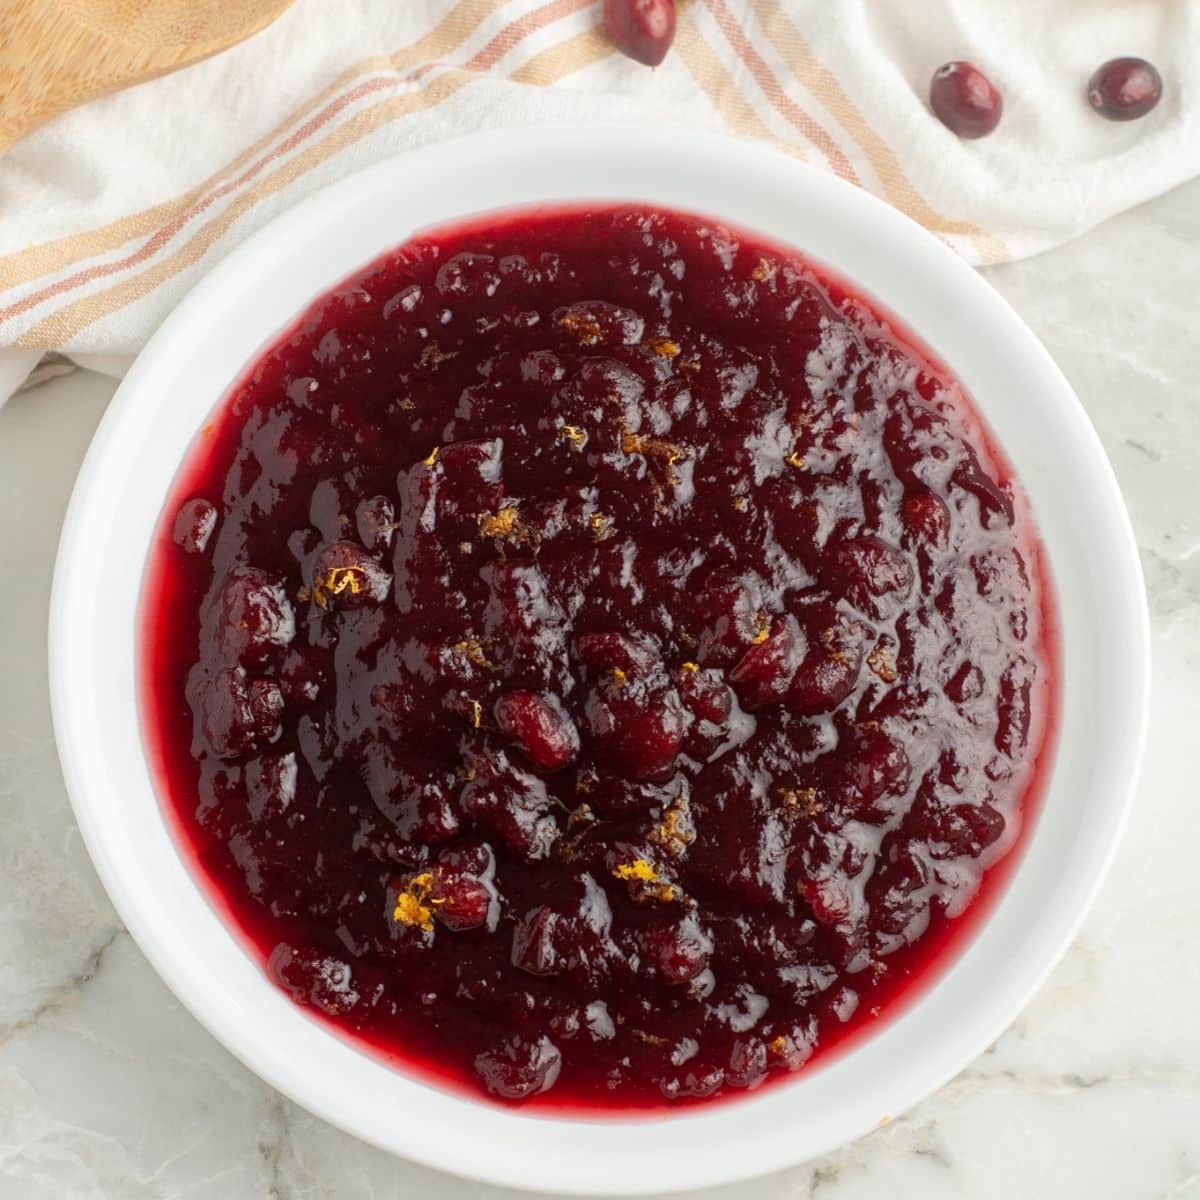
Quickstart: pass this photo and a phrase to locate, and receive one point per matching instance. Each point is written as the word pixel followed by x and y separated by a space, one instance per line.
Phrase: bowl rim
pixel 699 1147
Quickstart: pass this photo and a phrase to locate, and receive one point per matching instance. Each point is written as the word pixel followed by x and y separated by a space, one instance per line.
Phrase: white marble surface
pixel 108 1089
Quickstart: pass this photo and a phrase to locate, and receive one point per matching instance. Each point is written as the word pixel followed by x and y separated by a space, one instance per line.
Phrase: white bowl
pixel 197 354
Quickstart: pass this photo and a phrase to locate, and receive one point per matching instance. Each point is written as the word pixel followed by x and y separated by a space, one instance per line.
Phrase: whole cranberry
pixel 763 673
pixel 1124 89
pixel 519 1067
pixel 964 100
pixel 926 520
pixel 540 726
pixel 679 952
pixel 641 29
pixel 637 729
pixel 459 898
pixel 256 616
pixel 346 576
pixel 194 525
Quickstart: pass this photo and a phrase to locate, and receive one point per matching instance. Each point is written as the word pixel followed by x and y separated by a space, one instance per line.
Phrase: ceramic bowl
pixel 246 299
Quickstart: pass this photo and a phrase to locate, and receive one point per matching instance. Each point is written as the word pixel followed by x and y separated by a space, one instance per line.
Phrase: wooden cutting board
pixel 56 54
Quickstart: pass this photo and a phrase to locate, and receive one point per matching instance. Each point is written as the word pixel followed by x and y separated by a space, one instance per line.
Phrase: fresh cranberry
pixel 965 100
pixel 642 29
pixel 541 726
pixel 1124 89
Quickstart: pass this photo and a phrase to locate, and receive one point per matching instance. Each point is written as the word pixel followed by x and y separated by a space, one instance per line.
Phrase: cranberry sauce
pixel 594 656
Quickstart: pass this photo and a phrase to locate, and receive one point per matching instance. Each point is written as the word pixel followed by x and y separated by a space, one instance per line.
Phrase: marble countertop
pixel 109 1089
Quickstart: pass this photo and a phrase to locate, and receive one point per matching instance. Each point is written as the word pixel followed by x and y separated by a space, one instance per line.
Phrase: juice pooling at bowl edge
pixel 595 657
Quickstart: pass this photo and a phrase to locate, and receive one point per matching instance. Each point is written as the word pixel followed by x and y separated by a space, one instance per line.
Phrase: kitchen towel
pixel 109 213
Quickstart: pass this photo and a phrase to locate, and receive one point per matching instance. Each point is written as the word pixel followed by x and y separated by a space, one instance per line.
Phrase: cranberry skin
pixel 540 726
pixel 708 696
pixel 763 673
pixel 367 582
pixel 874 576
pixel 641 29
pixel 511 803
pixel 964 100
pixel 194 525
pixel 311 977
pixel 639 730
pixel 256 617
pixel 1124 89
pixel 926 521
pixel 461 899
pixel 234 715
pixel 519 1067
pixel 616 652
pixel 679 952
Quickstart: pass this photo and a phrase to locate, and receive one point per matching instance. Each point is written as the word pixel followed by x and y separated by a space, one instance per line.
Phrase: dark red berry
pixel 461 900
pixel 540 726
pixel 964 100
pixel 519 1067
pixel 1124 89
pixel 346 576
pixel 830 669
pixel 763 673
pixel 256 617
pixel 615 651
pixel 642 29
pixel 312 977
pixel 636 729
pixel 874 576
pixel 194 525
pixel 926 520
pixel 679 952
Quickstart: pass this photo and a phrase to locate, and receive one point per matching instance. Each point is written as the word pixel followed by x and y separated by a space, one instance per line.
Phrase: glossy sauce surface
pixel 595 658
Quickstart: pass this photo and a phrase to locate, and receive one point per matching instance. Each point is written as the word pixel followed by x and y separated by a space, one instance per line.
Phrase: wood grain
pixel 56 54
